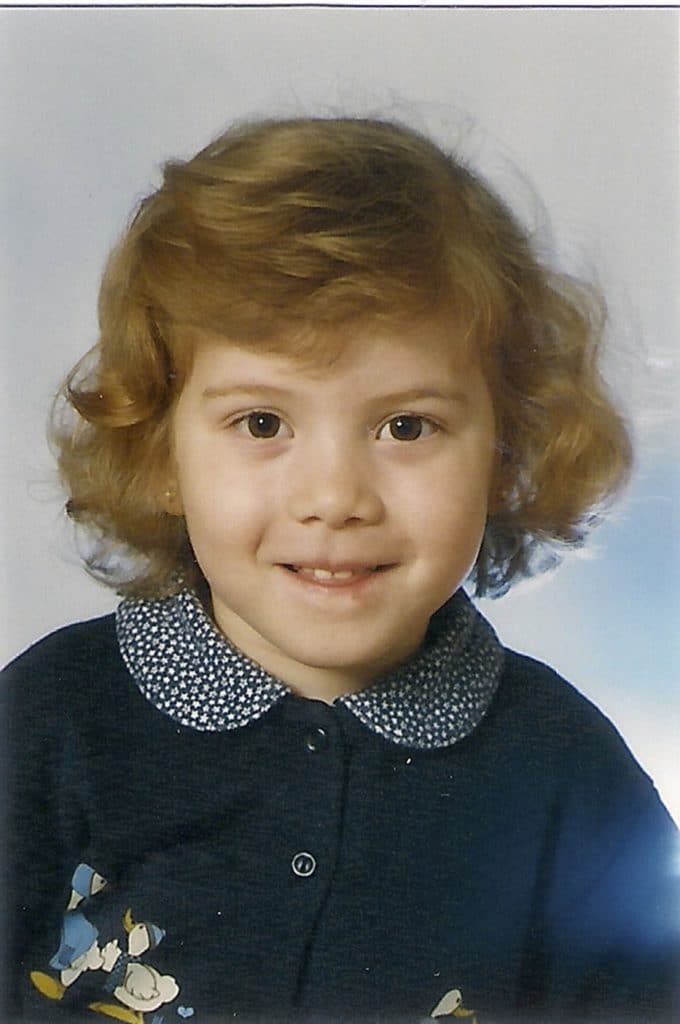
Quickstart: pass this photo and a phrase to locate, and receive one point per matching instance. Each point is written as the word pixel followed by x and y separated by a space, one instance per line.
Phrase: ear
pixel 500 483
pixel 171 501
pixel 496 502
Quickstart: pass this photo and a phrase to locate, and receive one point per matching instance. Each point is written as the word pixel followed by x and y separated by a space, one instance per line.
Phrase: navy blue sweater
pixel 302 867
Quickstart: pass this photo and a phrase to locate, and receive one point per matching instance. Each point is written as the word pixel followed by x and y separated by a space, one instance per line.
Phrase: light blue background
pixel 583 102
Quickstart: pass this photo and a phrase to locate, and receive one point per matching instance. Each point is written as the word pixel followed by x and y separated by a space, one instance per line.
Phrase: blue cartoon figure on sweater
pixel 132 987
pixel 79 949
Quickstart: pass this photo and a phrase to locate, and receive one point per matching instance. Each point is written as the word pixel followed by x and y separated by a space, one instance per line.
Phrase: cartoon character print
pixel 78 947
pixel 451 1005
pixel 132 988
pixel 139 987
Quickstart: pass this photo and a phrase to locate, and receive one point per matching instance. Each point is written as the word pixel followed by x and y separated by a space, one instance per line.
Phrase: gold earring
pixel 171 502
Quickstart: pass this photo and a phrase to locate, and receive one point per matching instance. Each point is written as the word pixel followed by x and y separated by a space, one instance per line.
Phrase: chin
pixel 330 661
pixel 361 666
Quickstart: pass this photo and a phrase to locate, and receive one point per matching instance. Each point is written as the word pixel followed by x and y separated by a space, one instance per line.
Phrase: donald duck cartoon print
pixel 78 950
pixel 137 986
pixel 131 988
pixel 451 1005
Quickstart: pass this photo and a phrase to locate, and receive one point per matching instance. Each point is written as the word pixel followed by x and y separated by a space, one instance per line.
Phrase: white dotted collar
pixel 189 670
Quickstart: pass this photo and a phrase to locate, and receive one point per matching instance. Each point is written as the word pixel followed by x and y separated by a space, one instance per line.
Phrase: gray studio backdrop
pixel 579 105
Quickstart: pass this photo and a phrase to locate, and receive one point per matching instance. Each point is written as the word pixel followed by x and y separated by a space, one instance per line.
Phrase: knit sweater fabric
pixel 468 825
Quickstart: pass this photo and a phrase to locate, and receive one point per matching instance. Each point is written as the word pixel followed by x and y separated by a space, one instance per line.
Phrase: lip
pixel 334 575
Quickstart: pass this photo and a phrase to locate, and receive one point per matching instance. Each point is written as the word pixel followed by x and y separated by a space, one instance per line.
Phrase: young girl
pixel 296 776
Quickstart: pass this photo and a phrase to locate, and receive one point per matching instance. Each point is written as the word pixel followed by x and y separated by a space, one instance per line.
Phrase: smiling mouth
pixel 322 575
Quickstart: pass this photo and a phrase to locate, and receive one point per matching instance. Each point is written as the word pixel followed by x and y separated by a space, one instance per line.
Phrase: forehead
pixel 433 345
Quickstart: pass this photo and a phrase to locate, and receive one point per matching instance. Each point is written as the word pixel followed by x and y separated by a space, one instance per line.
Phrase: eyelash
pixel 244 423
pixel 424 426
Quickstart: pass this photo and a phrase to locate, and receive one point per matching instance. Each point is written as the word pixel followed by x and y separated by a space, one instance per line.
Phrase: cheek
pixel 452 525
pixel 220 508
pixel 452 497
pixel 447 527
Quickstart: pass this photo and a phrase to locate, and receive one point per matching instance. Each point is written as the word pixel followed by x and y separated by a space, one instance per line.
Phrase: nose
pixel 334 486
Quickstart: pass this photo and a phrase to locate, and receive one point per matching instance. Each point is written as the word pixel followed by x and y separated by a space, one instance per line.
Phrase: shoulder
pixel 64 688
pixel 544 701
pixel 572 743
pixel 90 638
pixel 61 662
pixel 566 757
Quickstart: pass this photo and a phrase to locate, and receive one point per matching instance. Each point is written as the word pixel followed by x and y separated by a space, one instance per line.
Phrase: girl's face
pixel 334 510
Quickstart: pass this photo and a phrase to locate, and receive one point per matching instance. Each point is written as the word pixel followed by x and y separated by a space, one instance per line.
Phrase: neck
pixel 314 682
pixel 334 672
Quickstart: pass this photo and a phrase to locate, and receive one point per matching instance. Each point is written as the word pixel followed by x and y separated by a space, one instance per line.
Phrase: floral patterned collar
pixel 191 672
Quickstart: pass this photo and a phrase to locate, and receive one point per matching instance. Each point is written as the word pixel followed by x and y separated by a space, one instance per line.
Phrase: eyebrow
pixel 392 398
pixel 244 389
pixel 418 394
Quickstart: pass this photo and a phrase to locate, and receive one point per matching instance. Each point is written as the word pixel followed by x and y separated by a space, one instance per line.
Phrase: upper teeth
pixel 326 574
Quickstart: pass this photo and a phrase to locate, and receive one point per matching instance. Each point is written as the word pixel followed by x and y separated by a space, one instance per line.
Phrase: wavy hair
pixel 281 229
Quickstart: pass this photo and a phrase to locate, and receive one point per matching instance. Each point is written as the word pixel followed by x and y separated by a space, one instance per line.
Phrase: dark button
pixel 303 864
pixel 316 740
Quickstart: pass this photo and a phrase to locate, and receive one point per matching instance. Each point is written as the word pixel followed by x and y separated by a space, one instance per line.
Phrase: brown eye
pixel 263 424
pixel 405 428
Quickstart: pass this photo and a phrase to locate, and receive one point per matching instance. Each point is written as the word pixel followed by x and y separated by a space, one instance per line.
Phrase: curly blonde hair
pixel 284 228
